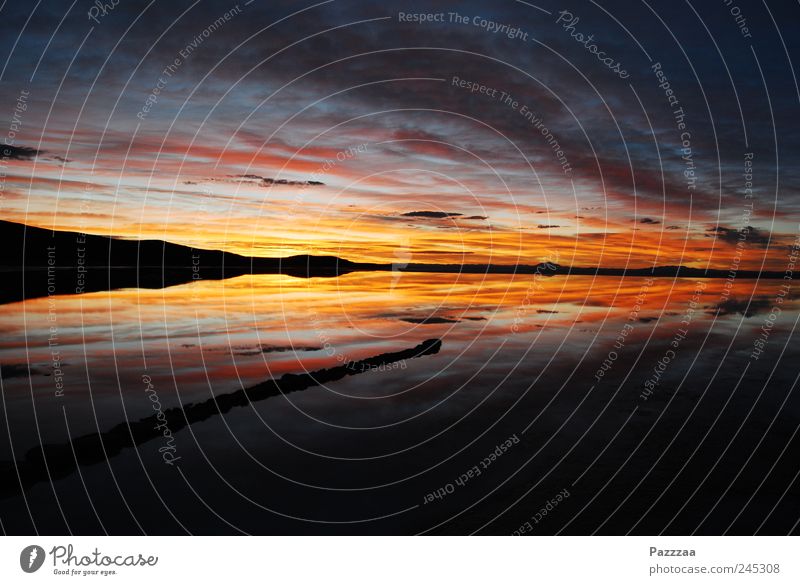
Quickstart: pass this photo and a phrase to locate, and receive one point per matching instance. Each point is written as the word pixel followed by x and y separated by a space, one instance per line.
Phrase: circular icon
pixel 31 558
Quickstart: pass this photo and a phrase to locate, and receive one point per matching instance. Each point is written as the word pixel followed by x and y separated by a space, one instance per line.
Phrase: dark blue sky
pixel 279 88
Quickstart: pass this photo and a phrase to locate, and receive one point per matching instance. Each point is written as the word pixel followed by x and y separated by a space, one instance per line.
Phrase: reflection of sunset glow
pixel 248 326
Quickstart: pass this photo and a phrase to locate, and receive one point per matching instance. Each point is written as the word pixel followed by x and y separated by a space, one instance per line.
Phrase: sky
pixel 588 133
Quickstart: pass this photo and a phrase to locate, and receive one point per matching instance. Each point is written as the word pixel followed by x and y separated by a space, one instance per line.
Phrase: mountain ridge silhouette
pixel 37 262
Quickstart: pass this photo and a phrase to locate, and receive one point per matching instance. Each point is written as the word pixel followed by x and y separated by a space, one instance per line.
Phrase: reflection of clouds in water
pixel 747 307
pixel 254 327
pixel 482 377
pixel 8 371
pixel 168 325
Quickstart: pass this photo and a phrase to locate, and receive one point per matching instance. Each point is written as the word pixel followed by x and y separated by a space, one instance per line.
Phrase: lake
pixel 564 404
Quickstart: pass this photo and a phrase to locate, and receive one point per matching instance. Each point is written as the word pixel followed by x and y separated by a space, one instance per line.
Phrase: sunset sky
pixel 340 128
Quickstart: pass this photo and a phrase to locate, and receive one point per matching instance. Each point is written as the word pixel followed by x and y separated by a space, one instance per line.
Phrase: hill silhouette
pixel 36 262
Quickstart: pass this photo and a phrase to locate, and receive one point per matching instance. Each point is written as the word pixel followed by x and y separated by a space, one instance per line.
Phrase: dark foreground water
pixel 553 405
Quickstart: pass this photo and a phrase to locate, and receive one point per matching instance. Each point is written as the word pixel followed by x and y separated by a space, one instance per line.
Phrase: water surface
pixel 645 399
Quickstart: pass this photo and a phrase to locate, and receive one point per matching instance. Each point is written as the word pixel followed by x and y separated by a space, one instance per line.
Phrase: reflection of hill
pixel 36 262
pixel 52 462
pixel 558 270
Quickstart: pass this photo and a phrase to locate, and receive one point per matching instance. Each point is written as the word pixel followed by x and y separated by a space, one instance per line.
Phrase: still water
pixel 554 404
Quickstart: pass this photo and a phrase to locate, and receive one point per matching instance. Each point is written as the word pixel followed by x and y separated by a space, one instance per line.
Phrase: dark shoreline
pixel 49 462
pixel 37 262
